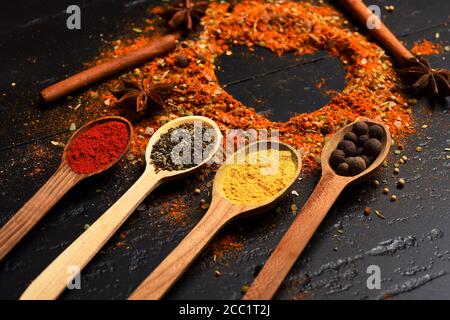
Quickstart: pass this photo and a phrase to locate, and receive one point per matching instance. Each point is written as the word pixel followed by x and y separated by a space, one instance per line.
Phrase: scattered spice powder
pixel 176 211
pixel 426 48
pixel 97 147
pixel 225 244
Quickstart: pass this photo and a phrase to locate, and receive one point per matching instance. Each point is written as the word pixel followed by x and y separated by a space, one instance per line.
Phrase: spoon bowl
pixel 331 145
pixel 168 175
pixel 90 125
pixel 219 178
pixel 311 215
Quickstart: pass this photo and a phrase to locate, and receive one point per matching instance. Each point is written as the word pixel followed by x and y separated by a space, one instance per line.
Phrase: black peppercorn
pixel 337 157
pixel 372 147
pixel 343 169
pixel 360 128
pixel 181 61
pixel 348 147
pixel 351 137
pixel 376 131
pixel 356 165
pixel 362 139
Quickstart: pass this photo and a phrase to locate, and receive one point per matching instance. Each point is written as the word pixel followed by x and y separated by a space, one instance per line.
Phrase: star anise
pixel 142 93
pixel 184 14
pixel 418 73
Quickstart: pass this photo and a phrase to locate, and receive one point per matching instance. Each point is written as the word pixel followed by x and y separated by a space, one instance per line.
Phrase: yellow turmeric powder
pixel 260 177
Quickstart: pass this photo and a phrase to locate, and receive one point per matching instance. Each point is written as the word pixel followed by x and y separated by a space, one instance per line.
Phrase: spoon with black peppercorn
pixel 375 144
pixel 54 279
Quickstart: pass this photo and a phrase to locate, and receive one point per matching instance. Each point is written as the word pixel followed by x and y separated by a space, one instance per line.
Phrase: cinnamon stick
pixel 361 13
pixel 105 70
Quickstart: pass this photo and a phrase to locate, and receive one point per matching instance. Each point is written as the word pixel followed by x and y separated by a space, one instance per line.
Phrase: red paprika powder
pixel 96 148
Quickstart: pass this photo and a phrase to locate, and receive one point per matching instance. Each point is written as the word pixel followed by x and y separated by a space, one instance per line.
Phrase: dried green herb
pixel 182 147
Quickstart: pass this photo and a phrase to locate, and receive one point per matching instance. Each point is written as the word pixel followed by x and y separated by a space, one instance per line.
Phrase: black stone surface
pixel 36 50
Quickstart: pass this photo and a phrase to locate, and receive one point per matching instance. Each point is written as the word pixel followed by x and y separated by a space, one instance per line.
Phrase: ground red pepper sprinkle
pixel 426 48
pixel 224 244
pixel 96 148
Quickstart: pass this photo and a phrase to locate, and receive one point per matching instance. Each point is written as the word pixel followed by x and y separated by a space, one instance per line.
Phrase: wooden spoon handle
pixel 35 208
pixel 360 11
pixel 176 263
pixel 54 279
pixel 295 239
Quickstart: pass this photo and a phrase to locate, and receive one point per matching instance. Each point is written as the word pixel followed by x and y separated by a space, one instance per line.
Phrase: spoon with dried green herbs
pixel 196 138
pixel 362 146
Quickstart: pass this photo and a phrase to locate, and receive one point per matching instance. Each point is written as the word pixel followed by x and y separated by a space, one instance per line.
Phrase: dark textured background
pixel 36 50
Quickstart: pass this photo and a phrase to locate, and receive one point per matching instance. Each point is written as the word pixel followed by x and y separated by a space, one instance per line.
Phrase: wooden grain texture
pixel 310 216
pixel 295 239
pixel 36 208
pixel 359 10
pixel 176 263
pixel 54 279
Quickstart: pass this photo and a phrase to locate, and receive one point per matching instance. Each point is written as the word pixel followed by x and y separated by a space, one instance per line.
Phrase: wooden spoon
pixel 54 279
pixel 51 192
pixel 309 218
pixel 221 211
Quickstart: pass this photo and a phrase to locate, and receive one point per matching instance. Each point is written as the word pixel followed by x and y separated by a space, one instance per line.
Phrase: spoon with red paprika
pixel 94 148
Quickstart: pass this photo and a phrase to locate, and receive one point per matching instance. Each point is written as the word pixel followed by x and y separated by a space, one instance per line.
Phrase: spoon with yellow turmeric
pixel 348 157
pixel 250 181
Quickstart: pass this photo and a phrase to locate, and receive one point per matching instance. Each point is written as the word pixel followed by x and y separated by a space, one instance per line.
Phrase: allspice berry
pixel 337 157
pixel 356 165
pixel 376 131
pixel 343 169
pixel 348 147
pixel 362 139
pixel 368 160
pixel 351 137
pixel 360 128
pixel 181 61
pixel 372 147
pixel 401 183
